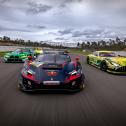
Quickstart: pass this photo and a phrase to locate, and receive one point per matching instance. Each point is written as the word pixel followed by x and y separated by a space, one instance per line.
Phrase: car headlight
pixel 115 64
pixel 6 56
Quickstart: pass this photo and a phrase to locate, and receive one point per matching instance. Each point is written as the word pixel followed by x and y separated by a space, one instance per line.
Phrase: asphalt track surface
pixel 101 103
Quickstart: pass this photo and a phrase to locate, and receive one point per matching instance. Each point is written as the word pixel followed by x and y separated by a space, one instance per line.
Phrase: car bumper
pixel 48 89
pixel 14 60
pixel 34 86
pixel 113 71
pixel 116 72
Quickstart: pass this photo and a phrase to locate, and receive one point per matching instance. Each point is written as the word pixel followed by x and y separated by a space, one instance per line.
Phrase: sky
pixel 63 20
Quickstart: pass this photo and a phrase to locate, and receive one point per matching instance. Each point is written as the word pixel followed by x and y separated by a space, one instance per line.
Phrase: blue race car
pixel 51 71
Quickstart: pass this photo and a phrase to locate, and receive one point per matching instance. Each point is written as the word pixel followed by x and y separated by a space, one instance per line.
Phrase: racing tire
pixel 103 66
pixel 88 60
pixel 82 85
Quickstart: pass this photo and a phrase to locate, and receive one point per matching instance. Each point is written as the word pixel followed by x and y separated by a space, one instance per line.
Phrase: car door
pixel 23 54
pixel 97 59
pixel 94 58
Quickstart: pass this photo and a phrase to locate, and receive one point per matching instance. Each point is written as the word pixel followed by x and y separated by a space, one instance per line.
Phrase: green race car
pixel 19 55
pixel 108 61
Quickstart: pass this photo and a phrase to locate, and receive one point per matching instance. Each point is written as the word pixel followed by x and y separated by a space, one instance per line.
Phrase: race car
pixel 55 51
pixel 51 72
pixel 108 61
pixel 19 55
pixel 38 51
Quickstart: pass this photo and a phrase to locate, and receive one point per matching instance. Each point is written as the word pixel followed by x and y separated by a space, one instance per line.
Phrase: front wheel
pixel 88 60
pixel 103 66
pixel 82 85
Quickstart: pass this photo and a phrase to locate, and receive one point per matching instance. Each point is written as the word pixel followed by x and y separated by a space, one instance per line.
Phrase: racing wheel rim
pixel 103 66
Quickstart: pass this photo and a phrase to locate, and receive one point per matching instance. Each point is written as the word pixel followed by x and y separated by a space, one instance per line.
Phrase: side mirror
pixel 29 57
pixel 77 59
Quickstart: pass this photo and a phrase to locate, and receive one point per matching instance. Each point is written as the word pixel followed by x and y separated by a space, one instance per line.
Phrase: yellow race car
pixel 38 51
pixel 108 61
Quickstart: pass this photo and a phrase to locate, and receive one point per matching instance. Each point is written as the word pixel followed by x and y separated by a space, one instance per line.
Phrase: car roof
pixel 104 51
pixel 55 52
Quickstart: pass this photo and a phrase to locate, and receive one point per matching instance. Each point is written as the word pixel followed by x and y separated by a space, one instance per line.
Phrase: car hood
pixel 119 60
pixel 15 54
pixel 44 72
pixel 12 54
pixel 43 76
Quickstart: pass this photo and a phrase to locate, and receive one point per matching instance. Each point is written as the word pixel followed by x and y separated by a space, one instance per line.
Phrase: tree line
pixel 116 44
pixel 21 42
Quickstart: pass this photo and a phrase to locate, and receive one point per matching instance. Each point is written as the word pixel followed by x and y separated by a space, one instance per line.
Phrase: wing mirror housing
pixel 77 58
pixel 29 57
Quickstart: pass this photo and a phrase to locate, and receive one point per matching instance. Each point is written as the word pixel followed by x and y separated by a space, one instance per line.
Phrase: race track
pixel 101 103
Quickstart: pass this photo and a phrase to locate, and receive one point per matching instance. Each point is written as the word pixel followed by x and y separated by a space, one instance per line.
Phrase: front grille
pixel 11 56
pixel 10 60
pixel 121 69
pixel 14 59
pixel 16 56
pixel 34 85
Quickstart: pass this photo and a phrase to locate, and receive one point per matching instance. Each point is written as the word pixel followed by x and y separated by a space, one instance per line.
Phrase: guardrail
pixel 9 48
pixel 121 53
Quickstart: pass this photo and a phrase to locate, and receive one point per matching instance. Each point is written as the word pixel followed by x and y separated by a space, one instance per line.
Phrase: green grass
pixel 79 51
pixel 3 53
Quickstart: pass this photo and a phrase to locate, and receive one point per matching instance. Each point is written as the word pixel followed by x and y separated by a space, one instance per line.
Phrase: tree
pixel 83 45
pixel 78 45
pixel 124 41
pixel 5 38
pixel 117 40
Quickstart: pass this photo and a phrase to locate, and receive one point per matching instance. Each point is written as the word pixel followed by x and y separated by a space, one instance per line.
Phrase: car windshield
pixel 51 58
pixel 107 54
pixel 26 50
pixel 17 51
pixel 45 58
pixel 62 58
pixel 69 67
pixel 54 52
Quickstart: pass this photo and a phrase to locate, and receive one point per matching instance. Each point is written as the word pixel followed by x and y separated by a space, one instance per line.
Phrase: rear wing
pixel 62 52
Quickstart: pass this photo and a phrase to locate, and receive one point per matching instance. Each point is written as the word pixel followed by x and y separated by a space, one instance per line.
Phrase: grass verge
pixel 3 53
pixel 79 51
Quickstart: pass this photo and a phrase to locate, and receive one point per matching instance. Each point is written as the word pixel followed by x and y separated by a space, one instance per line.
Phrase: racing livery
pixel 38 51
pixel 51 71
pixel 108 61
pixel 19 55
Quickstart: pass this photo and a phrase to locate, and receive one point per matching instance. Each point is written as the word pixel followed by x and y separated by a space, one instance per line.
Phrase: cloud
pixel 60 38
pixel 36 26
pixel 3 28
pixel 87 32
pixel 65 32
pixel 35 8
pixel 4 1
pixel 63 19
pixel 66 2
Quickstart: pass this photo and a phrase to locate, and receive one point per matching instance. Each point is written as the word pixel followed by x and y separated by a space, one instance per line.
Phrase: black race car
pixel 51 71
pixel 55 51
